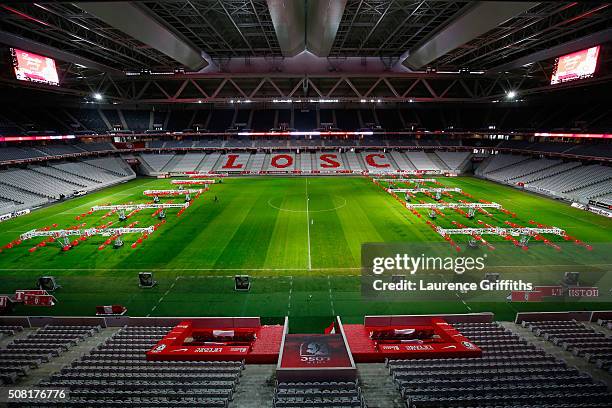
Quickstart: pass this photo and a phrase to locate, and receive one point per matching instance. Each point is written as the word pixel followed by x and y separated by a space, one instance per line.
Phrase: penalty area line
pixel 464 303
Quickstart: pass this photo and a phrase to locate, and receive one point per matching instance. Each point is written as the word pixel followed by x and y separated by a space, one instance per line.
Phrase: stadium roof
pixel 332 38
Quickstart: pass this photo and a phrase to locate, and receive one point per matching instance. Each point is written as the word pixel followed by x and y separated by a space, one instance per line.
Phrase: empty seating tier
pixel 453 160
pixel 38 183
pixel 576 337
pixel 421 161
pixel 318 394
pixel 156 161
pixel 511 372
pixel 21 355
pixel 117 372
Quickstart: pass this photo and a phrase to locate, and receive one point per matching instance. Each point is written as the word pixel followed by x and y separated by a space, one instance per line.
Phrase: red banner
pixel 110 310
pixel 187 353
pixel 424 337
pixel 173 347
pixel 549 291
pixel 314 351
pixel 38 300
pixel 526 296
pixel 203 175
pixel 20 294
pixel 583 292
pixel 193 182
pixel 4 302
pixel 434 350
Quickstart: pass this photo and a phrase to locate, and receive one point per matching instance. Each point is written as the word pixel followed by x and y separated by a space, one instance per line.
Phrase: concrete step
pixel 598 328
pixel 438 161
pixel 4 341
pixel 256 388
pixel 74 353
pixel 570 359
pixel 377 387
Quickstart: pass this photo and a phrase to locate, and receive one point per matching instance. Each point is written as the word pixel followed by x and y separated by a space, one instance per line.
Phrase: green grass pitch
pixel 303 254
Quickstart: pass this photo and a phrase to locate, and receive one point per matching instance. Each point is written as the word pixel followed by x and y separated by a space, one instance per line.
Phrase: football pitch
pixel 299 238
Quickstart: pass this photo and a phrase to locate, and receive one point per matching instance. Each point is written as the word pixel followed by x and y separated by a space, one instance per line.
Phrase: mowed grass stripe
pixel 211 229
pixel 289 242
pixel 165 245
pixel 394 222
pixel 249 242
pixel 358 225
pixel 328 245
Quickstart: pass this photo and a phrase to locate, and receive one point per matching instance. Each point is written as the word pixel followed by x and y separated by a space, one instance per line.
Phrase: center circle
pixel 316 203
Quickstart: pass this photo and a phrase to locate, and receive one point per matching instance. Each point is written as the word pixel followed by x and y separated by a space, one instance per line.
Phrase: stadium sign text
pixel 411 264
pixel 422 285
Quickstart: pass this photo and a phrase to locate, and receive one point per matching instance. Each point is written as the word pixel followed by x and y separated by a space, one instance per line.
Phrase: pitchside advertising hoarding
pixel 535 273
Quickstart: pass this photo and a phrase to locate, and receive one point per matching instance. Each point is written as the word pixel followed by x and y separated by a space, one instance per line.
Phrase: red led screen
pixel 33 67
pixel 577 65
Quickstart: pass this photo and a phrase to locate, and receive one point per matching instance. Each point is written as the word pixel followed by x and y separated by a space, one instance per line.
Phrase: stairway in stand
pixel 377 386
pixel 256 388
